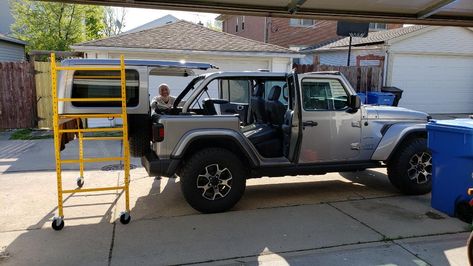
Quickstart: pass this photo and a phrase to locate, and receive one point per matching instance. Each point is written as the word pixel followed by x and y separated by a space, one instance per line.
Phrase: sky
pixel 138 16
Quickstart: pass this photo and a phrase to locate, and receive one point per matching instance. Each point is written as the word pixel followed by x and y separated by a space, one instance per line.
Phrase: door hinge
pixel 356 124
pixel 355 146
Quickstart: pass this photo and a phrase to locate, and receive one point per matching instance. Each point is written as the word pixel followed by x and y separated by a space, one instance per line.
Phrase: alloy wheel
pixel 420 168
pixel 215 183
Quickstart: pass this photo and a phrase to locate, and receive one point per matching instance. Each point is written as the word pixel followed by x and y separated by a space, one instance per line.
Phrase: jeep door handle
pixel 309 124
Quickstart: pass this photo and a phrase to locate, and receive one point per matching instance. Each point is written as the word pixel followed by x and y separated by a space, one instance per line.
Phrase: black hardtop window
pixel 104 84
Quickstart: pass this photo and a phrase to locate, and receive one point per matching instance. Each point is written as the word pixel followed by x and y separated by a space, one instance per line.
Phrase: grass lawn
pixel 28 134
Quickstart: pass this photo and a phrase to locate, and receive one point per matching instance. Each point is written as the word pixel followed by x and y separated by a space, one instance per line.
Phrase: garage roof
pixel 374 37
pixel 186 36
pixel 433 12
pixel 12 40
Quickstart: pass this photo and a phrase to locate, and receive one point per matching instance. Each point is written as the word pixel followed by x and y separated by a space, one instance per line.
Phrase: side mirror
pixel 354 102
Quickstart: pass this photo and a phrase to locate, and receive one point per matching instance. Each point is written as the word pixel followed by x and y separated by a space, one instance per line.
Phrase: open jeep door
pixel 292 127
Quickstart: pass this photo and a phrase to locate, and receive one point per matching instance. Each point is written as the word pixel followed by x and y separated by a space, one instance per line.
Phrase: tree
pixel 214 25
pixel 114 20
pixel 94 22
pixel 55 26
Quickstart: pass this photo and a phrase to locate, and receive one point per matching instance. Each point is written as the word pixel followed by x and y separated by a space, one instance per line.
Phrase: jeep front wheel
pixel 410 169
pixel 213 180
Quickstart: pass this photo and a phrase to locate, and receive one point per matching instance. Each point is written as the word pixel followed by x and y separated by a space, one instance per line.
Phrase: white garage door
pixel 434 83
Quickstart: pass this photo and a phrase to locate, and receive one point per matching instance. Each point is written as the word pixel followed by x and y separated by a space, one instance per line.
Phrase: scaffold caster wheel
pixel 80 181
pixel 57 224
pixel 125 218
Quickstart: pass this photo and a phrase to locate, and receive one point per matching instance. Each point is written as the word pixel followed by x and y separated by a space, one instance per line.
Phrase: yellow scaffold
pixel 58 221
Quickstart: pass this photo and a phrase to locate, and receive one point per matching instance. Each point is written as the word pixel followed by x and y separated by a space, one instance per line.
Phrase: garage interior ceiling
pixel 430 12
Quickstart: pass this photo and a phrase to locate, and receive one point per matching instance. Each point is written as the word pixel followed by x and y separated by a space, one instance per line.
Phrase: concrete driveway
pixel 334 219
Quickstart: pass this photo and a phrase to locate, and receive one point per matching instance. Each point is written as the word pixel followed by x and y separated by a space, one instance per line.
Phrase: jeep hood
pixel 394 113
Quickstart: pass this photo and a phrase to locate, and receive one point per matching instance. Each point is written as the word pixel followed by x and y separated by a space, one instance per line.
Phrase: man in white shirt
pixel 164 101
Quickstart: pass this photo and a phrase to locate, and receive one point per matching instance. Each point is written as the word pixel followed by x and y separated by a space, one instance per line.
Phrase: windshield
pixel 185 93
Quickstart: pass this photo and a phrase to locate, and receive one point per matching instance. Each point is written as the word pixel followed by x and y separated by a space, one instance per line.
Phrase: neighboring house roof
pixel 316 46
pixel 377 37
pixel 185 36
pixel 155 23
pixel 11 39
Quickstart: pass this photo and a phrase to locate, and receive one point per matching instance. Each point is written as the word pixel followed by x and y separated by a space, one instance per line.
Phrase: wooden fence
pixel 17 95
pixel 43 94
pixel 362 78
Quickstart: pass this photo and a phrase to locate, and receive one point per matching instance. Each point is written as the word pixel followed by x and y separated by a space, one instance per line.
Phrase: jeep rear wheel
pixel 410 170
pixel 213 180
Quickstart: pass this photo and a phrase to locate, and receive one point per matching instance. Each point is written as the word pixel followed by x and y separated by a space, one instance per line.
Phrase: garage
pixel 435 83
pixel 432 64
pixel 434 68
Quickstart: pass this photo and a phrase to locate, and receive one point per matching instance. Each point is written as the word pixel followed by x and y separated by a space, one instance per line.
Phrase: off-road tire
pixel 197 165
pixel 139 141
pixel 399 164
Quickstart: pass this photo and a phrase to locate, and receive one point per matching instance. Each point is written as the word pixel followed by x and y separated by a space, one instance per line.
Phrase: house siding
pixel 339 58
pixel 281 33
pixel 11 51
pixel 254 27
pixel 454 40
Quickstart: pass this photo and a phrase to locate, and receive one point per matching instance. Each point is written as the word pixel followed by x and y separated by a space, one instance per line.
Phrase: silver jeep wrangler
pixel 226 127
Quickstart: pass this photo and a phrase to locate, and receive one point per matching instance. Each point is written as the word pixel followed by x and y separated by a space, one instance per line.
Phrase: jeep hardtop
pixel 226 127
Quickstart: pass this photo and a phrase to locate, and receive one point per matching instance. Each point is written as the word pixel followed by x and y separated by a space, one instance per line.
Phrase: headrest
pixel 258 90
pixel 274 93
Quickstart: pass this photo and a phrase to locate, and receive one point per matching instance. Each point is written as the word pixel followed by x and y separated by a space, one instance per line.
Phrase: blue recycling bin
pixel 381 98
pixel 362 96
pixel 451 143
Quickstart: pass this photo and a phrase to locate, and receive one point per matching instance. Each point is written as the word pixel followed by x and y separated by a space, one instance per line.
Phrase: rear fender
pixel 393 137
pixel 212 135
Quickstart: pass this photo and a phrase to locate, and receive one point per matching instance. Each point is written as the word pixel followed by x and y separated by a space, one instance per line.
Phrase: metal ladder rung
pixel 102 138
pixel 89 100
pixel 98 129
pixel 90 116
pixel 94 160
pixel 88 68
pixel 92 189
pixel 97 77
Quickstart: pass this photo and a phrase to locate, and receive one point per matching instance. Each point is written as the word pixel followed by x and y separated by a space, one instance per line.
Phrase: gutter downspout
pixel 267 22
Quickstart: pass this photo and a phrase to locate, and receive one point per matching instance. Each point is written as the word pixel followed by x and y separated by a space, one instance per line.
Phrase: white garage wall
pixel 228 63
pixel 452 40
